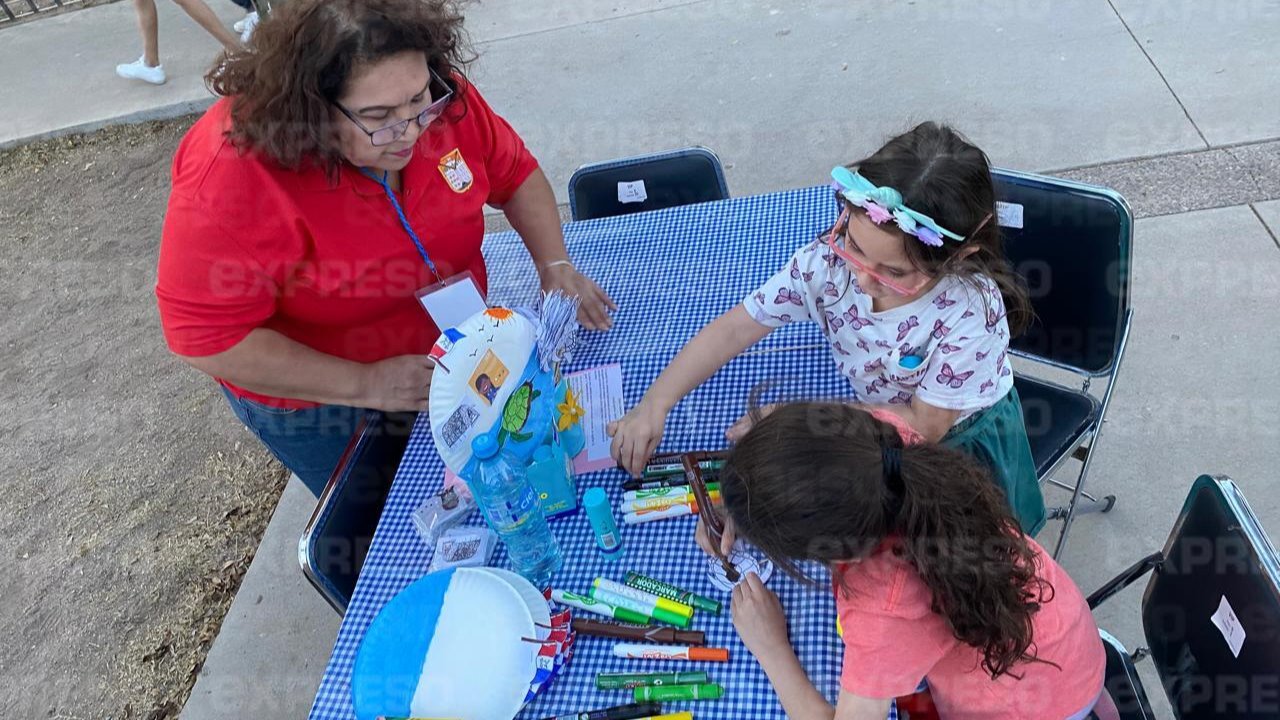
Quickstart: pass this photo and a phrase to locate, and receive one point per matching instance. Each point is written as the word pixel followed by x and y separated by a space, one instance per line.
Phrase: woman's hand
pixel 744 424
pixel 398 383
pixel 636 435
pixel 727 538
pixel 758 618
pixel 595 305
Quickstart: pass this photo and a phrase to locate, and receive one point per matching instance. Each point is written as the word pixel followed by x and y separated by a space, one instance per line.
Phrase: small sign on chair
pixel 632 192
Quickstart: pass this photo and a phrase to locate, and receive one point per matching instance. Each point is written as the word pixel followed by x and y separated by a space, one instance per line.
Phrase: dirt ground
pixel 132 500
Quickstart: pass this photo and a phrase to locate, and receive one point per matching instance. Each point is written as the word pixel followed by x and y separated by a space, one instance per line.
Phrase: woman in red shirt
pixel 933 579
pixel 344 171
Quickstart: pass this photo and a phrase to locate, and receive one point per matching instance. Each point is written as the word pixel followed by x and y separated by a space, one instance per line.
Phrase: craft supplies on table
pixel 600 515
pixel 631 711
pixel 638 651
pixel 440 512
pixel 671 592
pixel 675 693
pixel 649 633
pixel 591 605
pixel 464 547
pixel 627 681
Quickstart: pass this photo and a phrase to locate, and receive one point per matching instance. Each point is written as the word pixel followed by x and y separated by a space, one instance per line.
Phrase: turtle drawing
pixel 516 413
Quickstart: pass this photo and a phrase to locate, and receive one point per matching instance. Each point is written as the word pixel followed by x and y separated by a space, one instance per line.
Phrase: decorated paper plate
pixel 448 645
pixel 539 608
pixel 482 363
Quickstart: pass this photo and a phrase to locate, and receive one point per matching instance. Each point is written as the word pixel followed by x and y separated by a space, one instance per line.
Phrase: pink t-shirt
pixel 892 640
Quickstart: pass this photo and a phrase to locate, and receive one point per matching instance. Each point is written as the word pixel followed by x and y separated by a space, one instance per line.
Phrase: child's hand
pixel 758 618
pixel 636 435
pixel 727 538
pixel 744 424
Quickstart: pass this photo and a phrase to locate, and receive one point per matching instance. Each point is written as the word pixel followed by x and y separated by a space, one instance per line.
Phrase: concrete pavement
pixel 1172 102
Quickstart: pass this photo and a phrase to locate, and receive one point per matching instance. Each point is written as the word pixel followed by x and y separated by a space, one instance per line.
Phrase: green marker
pixel 677 468
pixel 627 681
pixel 671 592
pixel 665 693
pixel 591 605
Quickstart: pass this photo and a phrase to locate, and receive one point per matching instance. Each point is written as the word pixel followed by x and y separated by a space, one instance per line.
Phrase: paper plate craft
pixel 499 374
pixel 474 643
pixel 743 561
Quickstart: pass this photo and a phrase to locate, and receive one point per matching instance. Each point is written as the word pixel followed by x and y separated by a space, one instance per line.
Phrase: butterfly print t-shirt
pixel 957 330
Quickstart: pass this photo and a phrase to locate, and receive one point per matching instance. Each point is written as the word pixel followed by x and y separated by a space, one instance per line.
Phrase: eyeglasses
pixel 837 243
pixel 391 133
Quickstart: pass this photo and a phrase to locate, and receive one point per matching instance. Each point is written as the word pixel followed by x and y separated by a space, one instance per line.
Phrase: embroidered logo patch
pixel 455 171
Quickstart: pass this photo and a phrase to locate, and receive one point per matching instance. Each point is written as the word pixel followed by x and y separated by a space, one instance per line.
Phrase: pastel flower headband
pixel 884 204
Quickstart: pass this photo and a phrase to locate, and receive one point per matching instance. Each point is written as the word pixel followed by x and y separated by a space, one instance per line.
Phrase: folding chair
pixel 332 548
pixel 646 182
pixel 1210 614
pixel 1072 243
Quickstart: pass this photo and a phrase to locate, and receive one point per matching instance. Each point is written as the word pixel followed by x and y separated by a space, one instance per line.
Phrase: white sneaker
pixel 140 70
pixel 246 25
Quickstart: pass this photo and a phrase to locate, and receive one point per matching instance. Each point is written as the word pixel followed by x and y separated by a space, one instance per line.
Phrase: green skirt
pixel 998 438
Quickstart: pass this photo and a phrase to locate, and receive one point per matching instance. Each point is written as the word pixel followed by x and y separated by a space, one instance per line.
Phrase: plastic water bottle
pixel 512 509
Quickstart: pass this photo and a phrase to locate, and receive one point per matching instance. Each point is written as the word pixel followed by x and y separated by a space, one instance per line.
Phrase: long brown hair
pixel 283 86
pixel 808 482
pixel 941 174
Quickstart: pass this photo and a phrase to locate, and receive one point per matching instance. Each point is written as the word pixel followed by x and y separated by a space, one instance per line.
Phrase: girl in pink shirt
pixel 933 579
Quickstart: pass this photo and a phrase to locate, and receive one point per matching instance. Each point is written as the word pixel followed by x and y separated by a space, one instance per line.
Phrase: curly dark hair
pixel 283 86
pixel 808 483
pixel 943 175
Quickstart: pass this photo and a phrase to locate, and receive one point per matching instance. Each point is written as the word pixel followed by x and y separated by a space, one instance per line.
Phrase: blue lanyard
pixel 404 221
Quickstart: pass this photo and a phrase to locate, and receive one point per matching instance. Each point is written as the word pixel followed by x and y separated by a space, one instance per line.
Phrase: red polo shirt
pixel 247 244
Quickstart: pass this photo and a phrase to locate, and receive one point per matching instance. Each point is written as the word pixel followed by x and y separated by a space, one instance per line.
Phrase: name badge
pixel 453 301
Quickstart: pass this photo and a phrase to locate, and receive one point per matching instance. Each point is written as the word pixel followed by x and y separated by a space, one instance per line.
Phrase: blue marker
pixel 600 514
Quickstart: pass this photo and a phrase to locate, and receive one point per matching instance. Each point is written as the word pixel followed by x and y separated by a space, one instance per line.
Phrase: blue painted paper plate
pixel 448 645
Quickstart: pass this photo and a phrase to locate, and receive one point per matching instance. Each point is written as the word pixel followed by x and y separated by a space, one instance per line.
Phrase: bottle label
pixel 508 516
pixel 609 541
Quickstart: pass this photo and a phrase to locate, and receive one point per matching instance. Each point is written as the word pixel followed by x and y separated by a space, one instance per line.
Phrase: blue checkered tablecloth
pixel 671 272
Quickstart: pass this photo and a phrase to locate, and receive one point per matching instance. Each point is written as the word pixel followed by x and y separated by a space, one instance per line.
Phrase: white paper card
pixel 1009 215
pixel 453 302
pixel 1229 625
pixel 632 192
pixel 599 392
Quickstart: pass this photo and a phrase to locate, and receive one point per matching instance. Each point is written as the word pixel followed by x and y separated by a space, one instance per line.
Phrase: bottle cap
pixel 483 447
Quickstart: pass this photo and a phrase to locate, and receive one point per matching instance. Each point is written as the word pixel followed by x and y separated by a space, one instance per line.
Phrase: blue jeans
pixel 308 441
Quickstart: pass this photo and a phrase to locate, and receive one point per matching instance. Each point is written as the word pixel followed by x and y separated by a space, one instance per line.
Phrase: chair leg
pixel 1072 488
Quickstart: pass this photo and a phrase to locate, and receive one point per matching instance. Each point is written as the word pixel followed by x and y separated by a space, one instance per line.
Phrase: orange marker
pixel 670 652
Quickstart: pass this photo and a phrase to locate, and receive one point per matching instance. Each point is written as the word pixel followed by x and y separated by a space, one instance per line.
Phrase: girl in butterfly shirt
pixel 911 288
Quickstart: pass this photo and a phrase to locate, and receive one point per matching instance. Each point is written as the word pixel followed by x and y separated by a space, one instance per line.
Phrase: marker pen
pixel 670 511
pixel 670 652
pixel 645 609
pixel 671 592
pixel 648 598
pixel 657 503
pixel 634 711
pixel 664 491
pixel 627 681
pixel 705 691
pixel 600 608
pixel 660 469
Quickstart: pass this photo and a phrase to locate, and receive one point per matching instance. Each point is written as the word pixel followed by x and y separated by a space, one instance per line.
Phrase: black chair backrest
pixel 673 178
pixel 1072 243
pixel 1123 683
pixel 338 536
pixel 1220 580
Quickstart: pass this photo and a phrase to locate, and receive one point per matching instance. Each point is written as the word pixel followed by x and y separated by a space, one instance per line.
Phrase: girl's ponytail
pixel 957 531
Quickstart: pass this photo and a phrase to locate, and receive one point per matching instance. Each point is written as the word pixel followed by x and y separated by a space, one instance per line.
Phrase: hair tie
pixel 891 457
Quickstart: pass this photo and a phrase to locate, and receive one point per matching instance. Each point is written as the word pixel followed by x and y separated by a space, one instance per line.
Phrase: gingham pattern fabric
pixel 671 272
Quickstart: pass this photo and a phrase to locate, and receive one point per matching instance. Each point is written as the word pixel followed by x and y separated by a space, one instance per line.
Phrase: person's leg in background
pixel 204 15
pixel 146 68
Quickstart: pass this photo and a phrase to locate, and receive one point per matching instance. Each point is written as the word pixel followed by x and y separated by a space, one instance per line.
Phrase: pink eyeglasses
pixel 836 241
